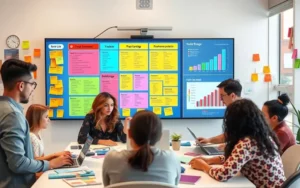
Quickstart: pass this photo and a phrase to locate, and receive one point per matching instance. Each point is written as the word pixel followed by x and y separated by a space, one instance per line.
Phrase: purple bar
pixel 195 67
pixel 219 62
pixel 199 67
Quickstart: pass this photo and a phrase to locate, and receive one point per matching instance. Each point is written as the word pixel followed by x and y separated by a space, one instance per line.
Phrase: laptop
pixel 79 159
pixel 209 150
pixel 163 143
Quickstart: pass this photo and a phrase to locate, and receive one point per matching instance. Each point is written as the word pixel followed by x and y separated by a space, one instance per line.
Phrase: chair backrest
pixel 291 160
pixel 293 181
pixel 141 184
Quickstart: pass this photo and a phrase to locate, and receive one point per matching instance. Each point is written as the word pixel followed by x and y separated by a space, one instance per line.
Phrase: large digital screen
pixel 174 78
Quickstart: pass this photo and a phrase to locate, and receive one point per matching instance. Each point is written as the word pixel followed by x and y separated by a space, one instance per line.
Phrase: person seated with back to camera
pixel 252 148
pixel 103 123
pixel 144 162
pixel 275 111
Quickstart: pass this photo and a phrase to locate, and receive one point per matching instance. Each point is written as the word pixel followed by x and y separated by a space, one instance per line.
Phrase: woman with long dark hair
pixel 102 122
pixel 144 162
pixel 275 111
pixel 252 148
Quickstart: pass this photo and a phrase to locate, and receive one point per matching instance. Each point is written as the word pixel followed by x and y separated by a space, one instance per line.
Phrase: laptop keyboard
pixel 212 150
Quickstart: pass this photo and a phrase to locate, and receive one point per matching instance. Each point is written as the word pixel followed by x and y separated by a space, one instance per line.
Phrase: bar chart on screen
pixel 203 95
pixel 215 63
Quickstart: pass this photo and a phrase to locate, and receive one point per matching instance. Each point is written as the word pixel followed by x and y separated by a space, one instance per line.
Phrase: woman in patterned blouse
pixel 252 148
pixel 102 122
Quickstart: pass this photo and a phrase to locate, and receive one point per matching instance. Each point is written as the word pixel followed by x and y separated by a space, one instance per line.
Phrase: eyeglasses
pixel 34 84
pixel 223 95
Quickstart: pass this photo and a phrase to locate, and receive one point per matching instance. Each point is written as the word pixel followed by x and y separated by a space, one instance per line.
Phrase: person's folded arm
pixel 13 142
pixel 240 155
pixel 85 130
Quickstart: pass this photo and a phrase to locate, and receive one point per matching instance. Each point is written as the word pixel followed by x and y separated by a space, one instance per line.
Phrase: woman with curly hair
pixel 252 148
pixel 103 123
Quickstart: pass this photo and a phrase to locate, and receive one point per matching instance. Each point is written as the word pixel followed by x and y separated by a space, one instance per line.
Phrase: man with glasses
pixel 17 164
pixel 230 90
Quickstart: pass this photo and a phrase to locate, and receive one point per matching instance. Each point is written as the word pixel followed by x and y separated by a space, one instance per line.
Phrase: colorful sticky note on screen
pixel 254 77
pixel 295 54
pixel 60 113
pixel 157 110
pixel 168 111
pixel 266 69
pixel 50 112
pixel 126 112
pixel 268 78
pixel 255 57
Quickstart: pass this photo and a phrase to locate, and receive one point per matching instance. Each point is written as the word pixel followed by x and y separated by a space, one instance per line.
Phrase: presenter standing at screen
pixel 230 90
pixel 103 123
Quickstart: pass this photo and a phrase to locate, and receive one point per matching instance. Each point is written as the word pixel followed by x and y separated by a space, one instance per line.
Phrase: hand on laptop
pixel 107 142
pixel 221 147
pixel 62 153
pixel 203 140
pixel 60 161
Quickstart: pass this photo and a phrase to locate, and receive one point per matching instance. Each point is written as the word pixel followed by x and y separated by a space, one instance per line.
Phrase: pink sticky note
pixel 295 53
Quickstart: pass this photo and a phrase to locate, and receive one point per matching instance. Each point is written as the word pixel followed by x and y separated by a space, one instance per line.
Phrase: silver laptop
pixel 209 150
pixel 79 159
pixel 163 143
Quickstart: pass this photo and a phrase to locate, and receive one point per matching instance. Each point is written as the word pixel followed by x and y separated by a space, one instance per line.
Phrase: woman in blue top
pixel 102 122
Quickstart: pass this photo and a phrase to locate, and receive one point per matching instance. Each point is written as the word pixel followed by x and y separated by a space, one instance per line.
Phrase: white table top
pixel 96 166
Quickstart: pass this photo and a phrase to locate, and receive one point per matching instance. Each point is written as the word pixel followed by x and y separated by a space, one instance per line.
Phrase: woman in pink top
pixel 252 148
pixel 275 111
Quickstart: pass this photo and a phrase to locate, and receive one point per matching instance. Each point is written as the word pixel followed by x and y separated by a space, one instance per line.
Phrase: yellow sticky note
pixel 59 70
pixel 53 63
pixel 60 101
pixel 59 53
pixel 52 54
pixel 53 79
pixel 266 69
pixel 140 109
pixel 59 60
pixel 255 57
pixel 254 77
pixel 59 91
pixel 168 111
pixel 60 113
pixel 37 52
pixel 126 112
pixel 27 58
pixel 25 44
pixel 59 84
pixel 53 103
pixel 157 110
pixel 50 113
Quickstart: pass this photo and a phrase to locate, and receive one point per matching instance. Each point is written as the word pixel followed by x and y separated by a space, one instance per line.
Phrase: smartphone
pixel 76 147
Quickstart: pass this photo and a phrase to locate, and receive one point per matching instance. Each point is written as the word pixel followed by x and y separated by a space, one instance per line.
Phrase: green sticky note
pixel 80 106
pixel 297 64
pixel 84 86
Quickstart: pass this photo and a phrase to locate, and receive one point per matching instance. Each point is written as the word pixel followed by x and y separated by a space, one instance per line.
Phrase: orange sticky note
pixel 254 77
pixel 53 63
pixel 37 53
pixel 266 69
pixel 35 74
pixel 60 113
pixel 255 57
pixel 268 78
pixel 0 64
pixel 27 58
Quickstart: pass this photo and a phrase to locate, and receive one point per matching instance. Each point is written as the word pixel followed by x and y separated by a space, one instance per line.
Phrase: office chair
pixel 291 160
pixel 293 181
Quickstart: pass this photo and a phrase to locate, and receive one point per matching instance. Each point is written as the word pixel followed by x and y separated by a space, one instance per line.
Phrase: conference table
pixel 95 164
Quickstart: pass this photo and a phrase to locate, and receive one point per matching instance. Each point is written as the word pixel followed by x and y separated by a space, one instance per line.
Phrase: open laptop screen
pixel 85 149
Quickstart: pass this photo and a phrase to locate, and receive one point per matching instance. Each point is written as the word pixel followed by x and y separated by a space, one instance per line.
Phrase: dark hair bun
pixel 284 98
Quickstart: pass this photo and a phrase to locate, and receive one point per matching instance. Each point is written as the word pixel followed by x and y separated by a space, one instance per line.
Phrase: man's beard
pixel 23 99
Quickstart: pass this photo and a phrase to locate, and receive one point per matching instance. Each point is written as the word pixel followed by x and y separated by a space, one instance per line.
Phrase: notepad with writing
pixel 77 182
pixel 189 179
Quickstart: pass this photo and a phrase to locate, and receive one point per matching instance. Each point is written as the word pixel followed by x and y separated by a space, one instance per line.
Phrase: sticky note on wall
pixel 295 54
pixel 254 77
pixel 266 69
pixel 297 64
pixel 27 58
pixel 25 44
pixel 37 53
pixel 255 57
pixel 268 78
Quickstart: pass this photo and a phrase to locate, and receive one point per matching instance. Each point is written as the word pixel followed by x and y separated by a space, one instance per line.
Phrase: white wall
pixel 244 20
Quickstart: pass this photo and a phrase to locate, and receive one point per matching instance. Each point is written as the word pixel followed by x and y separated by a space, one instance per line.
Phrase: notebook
pixel 77 182
pixel 189 179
